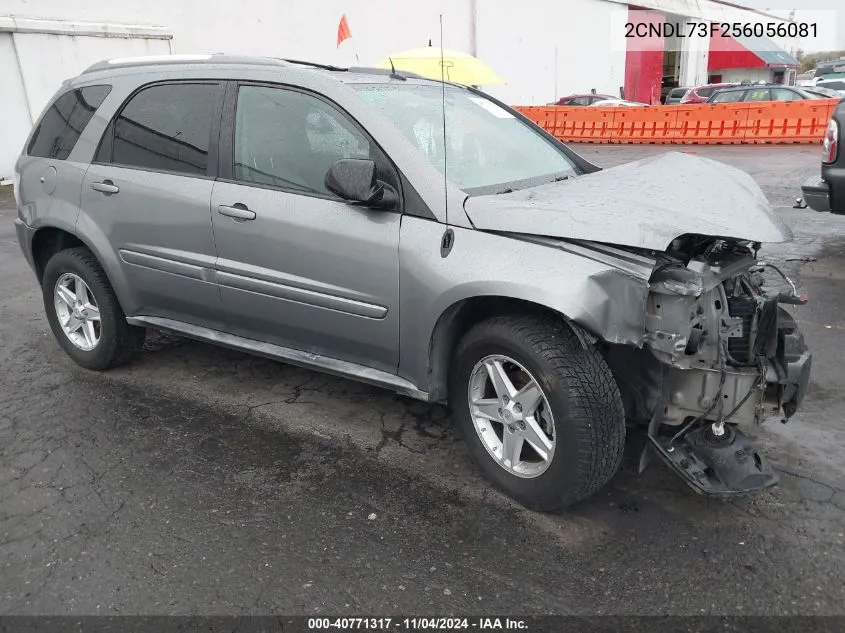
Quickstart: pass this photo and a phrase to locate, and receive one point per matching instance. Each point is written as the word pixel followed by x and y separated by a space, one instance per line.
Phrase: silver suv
pixel 324 217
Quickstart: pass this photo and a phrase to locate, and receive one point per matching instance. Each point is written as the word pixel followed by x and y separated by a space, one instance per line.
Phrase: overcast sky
pixel 830 38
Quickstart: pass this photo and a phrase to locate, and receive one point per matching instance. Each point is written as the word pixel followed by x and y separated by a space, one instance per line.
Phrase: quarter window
pixel 782 94
pixel 63 124
pixel 285 138
pixel 167 127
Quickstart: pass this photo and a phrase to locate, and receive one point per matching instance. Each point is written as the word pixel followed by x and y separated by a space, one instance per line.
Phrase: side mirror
pixel 354 180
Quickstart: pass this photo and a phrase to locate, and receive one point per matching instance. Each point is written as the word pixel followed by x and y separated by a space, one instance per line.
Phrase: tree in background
pixel 809 60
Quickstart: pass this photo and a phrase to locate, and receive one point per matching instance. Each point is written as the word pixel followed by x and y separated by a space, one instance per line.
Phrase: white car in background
pixel 613 103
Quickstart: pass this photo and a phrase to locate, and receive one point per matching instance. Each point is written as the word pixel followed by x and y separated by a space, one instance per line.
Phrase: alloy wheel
pixel 77 310
pixel 511 415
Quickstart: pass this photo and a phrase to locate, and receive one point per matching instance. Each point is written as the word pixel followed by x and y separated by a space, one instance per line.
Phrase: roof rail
pixel 155 60
pixel 299 62
pixel 385 71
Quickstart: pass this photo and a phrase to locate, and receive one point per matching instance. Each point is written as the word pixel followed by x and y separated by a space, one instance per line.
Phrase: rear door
pixel 149 189
pixel 297 266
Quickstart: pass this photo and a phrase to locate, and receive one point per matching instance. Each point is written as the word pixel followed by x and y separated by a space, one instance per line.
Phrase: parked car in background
pixel 582 100
pixel 612 103
pixel 836 85
pixel 826 192
pixel 668 84
pixel 308 214
pixel 676 95
pixel 762 92
pixel 701 94
pixel 829 70
pixel 824 93
pixel 805 79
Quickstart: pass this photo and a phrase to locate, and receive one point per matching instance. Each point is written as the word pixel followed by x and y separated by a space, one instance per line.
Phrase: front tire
pixel 540 412
pixel 84 313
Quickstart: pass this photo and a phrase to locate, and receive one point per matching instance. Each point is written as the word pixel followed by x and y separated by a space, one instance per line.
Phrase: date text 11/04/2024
pixel 409 624
pixel 721 29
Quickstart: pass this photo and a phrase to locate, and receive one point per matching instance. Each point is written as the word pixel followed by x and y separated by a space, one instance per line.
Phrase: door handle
pixel 237 211
pixel 107 186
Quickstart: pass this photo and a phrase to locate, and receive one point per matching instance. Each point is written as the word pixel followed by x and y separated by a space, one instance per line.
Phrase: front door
pixel 149 189
pixel 296 265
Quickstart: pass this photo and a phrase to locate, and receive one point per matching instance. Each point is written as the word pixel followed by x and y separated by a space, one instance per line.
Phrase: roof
pixel 747 52
pixel 170 60
pixel 768 51
pixel 221 59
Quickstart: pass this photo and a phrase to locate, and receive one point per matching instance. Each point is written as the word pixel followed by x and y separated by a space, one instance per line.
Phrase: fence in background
pixel 729 123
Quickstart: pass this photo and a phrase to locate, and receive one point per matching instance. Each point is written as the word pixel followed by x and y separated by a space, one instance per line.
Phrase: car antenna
pixel 443 104
pixel 393 73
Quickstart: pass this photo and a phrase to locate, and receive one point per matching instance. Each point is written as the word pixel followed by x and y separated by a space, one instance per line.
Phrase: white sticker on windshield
pixel 492 108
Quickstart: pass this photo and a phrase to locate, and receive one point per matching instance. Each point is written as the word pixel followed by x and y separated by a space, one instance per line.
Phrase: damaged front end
pixel 719 351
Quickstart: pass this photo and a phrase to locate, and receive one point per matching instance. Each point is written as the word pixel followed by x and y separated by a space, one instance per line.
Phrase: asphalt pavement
pixel 204 481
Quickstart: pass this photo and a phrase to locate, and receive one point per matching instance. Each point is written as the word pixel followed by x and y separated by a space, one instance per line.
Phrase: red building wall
pixel 644 60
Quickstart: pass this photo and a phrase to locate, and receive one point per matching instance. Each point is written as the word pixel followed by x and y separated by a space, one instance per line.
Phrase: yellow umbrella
pixel 459 67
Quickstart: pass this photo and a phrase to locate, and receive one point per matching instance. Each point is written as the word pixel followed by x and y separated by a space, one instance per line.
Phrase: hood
pixel 644 204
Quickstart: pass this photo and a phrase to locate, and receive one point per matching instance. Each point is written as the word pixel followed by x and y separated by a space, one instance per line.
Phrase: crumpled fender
pixel 597 290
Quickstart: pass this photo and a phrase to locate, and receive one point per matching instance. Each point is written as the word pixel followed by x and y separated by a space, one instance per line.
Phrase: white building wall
pixel 15 121
pixel 517 39
pixel 694 59
pixel 68 56
pixel 521 40
pixel 543 49
pixel 282 28
pixel 36 56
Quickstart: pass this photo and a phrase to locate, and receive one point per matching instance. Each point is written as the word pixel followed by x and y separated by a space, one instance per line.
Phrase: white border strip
pixel 14 24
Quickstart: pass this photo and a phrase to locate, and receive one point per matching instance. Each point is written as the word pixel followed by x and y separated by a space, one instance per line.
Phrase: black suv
pixel 826 192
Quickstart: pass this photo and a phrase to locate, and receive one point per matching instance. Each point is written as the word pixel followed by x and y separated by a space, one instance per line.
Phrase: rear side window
pixel 782 94
pixel 677 93
pixel 62 125
pixel 729 97
pixel 164 127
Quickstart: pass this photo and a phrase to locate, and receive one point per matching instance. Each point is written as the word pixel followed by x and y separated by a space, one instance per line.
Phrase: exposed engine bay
pixel 719 351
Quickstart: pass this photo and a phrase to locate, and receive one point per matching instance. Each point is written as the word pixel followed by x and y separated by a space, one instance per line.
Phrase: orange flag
pixel 343 32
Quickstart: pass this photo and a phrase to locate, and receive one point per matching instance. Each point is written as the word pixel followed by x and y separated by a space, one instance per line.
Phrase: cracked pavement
pixel 199 480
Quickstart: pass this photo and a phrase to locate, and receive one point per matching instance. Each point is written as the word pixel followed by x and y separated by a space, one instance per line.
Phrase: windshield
pixel 487 148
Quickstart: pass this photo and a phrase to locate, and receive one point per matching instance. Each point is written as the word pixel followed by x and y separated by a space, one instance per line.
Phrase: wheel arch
pixel 50 239
pixel 457 319
pixel 46 242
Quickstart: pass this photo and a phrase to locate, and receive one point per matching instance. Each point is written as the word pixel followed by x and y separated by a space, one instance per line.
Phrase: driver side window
pixel 290 139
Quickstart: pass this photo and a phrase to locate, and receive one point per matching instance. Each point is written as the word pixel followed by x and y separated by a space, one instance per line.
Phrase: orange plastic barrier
pixel 728 123
pixel 588 125
pixel 797 121
pixel 723 124
pixel 655 124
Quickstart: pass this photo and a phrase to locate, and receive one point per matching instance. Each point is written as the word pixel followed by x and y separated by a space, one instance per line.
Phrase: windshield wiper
pixel 508 190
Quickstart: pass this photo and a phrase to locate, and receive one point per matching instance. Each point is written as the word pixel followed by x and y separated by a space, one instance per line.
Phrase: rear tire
pixel 580 412
pixel 111 341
